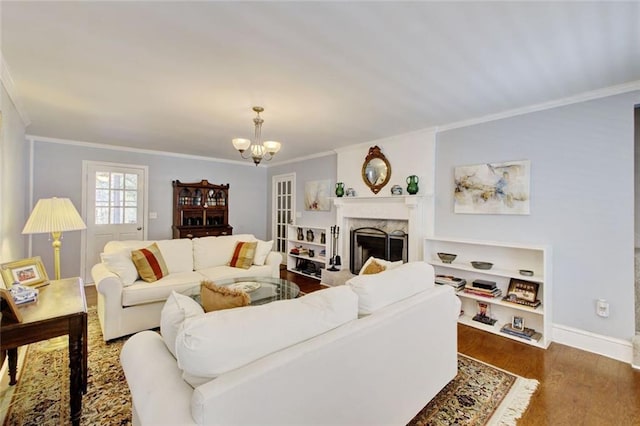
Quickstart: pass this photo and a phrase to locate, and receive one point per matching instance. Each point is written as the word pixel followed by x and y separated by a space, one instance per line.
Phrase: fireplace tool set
pixel 335 259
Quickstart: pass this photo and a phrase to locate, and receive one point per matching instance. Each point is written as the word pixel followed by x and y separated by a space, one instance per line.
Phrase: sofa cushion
pixel 387 264
pixel 262 251
pixel 379 290
pixel 225 272
pixel 150 263
pixel 216 251
pixel 214 343
pixel 141 292
pixel 120 263
pixel 176 309
pixel 215 298
pixel 243 254
pixel 178 254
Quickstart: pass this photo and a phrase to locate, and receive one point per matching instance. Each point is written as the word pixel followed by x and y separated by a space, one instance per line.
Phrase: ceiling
pixel 183 76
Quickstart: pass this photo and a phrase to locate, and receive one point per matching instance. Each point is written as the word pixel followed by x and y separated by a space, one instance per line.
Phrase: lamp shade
pixel 53 215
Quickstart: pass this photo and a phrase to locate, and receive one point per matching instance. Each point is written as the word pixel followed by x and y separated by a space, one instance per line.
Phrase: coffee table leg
pixel 76 366
pixel 12 354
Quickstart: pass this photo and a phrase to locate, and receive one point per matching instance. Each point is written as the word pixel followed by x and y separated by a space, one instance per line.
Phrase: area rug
pixel 479 395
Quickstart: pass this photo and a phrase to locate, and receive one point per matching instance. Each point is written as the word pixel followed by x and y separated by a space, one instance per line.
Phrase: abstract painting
pixel 316 195
pixel 492 188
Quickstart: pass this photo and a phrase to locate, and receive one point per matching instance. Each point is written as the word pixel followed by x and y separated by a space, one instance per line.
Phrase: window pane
pixel 102 197
pixel 102 216
pixel 117 180
pixel 116 216
pixel 131 181
pixel 131 198
pixel 102 180
pixel 117 198
pixel 130 215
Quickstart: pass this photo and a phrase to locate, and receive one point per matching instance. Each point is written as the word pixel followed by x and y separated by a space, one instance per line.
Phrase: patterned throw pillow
pixel 373 268
pixel 150 263
pixel 243 254
pixel 215 298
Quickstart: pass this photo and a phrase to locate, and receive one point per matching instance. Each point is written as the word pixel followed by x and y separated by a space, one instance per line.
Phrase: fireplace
pixel 366 242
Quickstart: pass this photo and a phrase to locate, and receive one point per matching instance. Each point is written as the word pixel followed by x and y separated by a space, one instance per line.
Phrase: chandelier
pixel 257 149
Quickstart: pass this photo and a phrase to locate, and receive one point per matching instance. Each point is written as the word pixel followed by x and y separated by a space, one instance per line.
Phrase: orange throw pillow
pixel 243 254
pixel 215 298
pixel 150 263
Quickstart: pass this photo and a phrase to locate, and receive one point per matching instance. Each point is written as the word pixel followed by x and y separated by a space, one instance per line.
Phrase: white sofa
pixel 395 349
pixel 127 304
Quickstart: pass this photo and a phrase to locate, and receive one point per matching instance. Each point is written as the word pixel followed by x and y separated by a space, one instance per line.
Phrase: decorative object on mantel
pixel 351 192
pixel 376 170
pixel 481 265
pixel 334 261
pixel 447 257
pixel 396 190
pixel 493 188
pixel 526 272
pixel 412 184
pixel 257 149
pixel 339 189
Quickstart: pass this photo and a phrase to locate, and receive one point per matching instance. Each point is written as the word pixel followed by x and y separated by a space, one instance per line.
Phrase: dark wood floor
pixel 576 387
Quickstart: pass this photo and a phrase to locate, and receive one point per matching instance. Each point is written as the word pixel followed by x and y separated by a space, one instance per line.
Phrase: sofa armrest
pixel 160 395
pixel 107 283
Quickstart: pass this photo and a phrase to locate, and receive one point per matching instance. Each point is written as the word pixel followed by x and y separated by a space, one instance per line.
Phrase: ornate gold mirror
pixel 376 170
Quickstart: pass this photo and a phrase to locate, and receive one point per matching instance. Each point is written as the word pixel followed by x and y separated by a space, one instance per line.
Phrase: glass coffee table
pixel 261 290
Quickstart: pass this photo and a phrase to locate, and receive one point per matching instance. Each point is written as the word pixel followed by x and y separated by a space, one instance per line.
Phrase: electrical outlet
pixel 602 308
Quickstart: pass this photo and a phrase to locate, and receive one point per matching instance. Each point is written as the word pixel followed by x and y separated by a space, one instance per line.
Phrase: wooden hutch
pixel 200 209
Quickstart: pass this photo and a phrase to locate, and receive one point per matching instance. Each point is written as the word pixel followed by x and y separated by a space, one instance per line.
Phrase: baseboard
pixel 610 347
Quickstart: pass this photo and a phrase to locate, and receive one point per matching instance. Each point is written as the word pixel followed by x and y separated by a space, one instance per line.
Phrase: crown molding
pixel 582 97
pixel 297 160
pixel 9 86
pixel 36 138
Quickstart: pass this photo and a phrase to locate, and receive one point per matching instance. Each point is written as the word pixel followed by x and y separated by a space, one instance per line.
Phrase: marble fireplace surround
pixel 405 212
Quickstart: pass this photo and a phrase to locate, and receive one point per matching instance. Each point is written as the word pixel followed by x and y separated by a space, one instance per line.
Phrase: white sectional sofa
pixel 372 352
pixel 127 304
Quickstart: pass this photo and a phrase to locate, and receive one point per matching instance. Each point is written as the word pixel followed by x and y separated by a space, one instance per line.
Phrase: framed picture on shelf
pixel 521 289
pixel 517 323
pixel 26 272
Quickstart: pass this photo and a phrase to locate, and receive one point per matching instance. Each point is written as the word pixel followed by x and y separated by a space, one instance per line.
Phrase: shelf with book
pixel 508 259
pixel 307 250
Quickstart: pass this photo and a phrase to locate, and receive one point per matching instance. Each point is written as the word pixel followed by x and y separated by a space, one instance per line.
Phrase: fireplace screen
pixel 367 242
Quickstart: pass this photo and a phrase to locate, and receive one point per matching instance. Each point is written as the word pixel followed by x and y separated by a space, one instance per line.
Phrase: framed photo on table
pixel 29 272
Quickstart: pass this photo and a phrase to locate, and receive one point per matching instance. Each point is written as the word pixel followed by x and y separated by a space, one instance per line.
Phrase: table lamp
pixel 55 216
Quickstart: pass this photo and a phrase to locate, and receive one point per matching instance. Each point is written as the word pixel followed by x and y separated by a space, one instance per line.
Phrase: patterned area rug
pixel 479 395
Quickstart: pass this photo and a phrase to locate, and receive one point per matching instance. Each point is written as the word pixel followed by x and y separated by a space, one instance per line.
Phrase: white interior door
pixel 284 209
pixel 114 208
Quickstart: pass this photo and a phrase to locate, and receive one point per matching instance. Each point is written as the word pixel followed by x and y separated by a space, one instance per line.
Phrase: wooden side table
pixel 61 310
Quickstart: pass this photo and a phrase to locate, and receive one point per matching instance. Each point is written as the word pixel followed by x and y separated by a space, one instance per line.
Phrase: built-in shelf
pixel 508 259
pixel 316 240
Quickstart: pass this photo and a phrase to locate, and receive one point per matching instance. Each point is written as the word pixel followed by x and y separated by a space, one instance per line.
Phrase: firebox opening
pixel 367 242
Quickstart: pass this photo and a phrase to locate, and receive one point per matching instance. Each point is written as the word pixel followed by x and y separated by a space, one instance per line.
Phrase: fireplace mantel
pixel 412 208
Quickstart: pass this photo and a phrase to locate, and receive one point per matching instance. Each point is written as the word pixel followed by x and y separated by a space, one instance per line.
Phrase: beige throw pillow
pixel 215 298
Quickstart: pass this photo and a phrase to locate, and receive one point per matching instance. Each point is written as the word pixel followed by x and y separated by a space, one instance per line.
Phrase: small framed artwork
pixel 9 307
pixel 29 272
pixel 521 289
pixel 517 323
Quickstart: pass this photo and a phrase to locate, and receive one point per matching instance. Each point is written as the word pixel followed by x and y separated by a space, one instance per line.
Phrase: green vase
pixel 339 189
pixel 412 184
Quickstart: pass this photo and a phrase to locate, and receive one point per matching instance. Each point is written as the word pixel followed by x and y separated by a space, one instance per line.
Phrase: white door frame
pixel 85 180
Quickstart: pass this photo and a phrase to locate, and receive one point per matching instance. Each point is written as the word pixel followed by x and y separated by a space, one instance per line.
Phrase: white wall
pixel 58 172
pixel 582 177
pixel 13 178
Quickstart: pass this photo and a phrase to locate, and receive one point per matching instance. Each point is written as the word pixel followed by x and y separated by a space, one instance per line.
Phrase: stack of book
pixel 450 280
pixel 526 333
pixel 300 251
pixel 22 294
pixel 512 299
pixel 483 288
